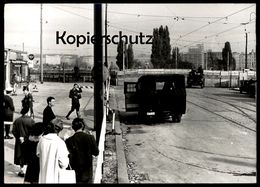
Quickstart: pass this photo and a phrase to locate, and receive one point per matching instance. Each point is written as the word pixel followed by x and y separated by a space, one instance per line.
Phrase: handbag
pixel 67 176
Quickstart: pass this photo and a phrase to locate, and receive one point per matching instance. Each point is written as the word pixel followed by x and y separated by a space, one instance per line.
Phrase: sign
pixel 31 56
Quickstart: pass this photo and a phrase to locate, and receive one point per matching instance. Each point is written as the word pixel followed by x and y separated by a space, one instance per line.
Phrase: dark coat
pixel 21 128
pixel 75 95
pixel 27 102
pixel 48 115
pixel 32 160
pixel 8 108
pixel 81 147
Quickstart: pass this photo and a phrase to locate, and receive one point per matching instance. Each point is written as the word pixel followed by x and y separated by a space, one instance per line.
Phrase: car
pixel 248 86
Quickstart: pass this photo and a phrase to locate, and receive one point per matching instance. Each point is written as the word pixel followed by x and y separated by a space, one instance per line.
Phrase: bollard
pixel 113 122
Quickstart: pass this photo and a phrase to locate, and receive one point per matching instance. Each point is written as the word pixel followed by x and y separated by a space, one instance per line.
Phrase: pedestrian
pixel 75 95
pixel 27 101
pixel 48 114
pixel 33 165
pixel 21 129
pixel 52 153
pixel 8 113
pixel 82 146
pixel 14 82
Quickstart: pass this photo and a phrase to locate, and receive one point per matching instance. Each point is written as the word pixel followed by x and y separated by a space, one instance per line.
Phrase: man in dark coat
pixel 75 95
pixel 21 129
pixel 27 101
pixel 8 113
pixel 48 114
pixel 82 146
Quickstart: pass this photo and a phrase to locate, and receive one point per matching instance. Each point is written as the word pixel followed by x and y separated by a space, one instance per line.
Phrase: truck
pixel 248 86
pixel 195 79
pixel 157 96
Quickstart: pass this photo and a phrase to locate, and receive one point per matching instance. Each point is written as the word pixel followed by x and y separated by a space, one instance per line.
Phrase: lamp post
pixel 41 63
pixel 250 19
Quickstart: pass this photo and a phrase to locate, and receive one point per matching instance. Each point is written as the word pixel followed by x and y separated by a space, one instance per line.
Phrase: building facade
pixel 195 55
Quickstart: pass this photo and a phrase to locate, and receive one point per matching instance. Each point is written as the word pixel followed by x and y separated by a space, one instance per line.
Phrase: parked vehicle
pixel 157 96
pixel 195 79
pixel 248 86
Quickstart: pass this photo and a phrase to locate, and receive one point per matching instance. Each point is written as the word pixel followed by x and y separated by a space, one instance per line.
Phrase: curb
pixel 121 159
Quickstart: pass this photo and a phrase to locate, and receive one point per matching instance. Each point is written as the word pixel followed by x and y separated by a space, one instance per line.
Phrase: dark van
pixel 157 96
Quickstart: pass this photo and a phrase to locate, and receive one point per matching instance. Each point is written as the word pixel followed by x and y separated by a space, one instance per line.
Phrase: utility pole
pixel 41 63
pixel 23 46
pixel 106 63
pixel 98 71
pixel 123 55
pixel 246 53
pixel 176 58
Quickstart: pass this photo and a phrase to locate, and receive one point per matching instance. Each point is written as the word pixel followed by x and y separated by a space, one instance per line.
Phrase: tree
pixel 185 65
pixel 228 60
pixel 130 57
pixel 156 46
pixel 161 48
pixel 119 57
pixel 166 48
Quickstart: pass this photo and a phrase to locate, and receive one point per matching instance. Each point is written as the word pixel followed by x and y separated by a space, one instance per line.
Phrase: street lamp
pixel 245 23
pixel 41 63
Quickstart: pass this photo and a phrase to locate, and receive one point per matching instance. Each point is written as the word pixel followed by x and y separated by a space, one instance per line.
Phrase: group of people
pixel 39 146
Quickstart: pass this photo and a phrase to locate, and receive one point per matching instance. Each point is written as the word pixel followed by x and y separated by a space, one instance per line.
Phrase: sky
pixel 189 24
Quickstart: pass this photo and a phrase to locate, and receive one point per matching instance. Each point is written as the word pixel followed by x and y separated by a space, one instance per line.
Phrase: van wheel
pixel 178 118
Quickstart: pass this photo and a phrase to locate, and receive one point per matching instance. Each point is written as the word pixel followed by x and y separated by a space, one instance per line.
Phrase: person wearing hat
pixel 75 95
pixel 52 153
pixel 14 83
pixel 8 113
pixel 27 101
pixel 21 129
pixel 82 146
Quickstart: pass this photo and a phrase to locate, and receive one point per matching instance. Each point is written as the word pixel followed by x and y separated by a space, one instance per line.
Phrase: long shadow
pixel 234 162
pixel 235 95
pixel 132 118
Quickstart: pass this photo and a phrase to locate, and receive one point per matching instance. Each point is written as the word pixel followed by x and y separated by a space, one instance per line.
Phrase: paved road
pixel 214 143
pixel 62 105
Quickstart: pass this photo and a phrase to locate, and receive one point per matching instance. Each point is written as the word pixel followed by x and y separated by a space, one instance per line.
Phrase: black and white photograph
pixel 129 93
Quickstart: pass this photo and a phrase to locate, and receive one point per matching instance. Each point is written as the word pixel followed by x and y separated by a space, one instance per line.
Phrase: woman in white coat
pixel 52 153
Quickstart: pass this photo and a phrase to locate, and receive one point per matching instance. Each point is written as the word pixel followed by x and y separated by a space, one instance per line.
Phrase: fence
pixel 213 78
pixel 62 76
pixel 101 145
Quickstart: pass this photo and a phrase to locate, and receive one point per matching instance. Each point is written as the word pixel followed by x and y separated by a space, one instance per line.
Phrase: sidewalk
pixel 120 153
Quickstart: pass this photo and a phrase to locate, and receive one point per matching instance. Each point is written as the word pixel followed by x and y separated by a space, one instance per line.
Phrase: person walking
pixel 27 101
pixel 8 113
pixel 48 114
pixel 52 153
pixel 33 166
pixel 14 82
pixel 82 146
pixel 75 95
pixel 21 129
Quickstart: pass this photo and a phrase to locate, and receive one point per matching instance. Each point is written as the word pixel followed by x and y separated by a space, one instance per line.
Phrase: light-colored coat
pixel 53 155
